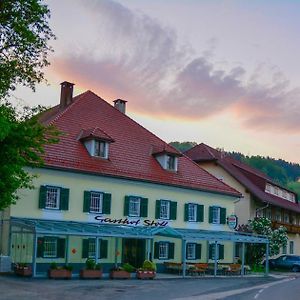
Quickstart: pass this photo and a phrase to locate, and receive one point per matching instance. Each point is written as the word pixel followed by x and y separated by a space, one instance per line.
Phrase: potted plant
pixel 92 270
pixel 148 271
pixel 121 272
pixel 56 271
pixel 22 269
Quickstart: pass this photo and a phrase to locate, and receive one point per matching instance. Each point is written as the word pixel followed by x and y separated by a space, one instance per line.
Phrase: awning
pixel 55 227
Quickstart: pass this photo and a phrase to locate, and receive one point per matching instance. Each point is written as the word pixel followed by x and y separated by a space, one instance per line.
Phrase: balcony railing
pixel 291 228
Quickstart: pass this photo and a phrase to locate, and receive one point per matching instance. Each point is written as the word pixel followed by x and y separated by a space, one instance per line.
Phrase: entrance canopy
pixel 53 227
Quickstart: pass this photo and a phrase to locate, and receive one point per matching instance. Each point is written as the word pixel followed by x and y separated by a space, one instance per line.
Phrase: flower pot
pixel 145 274
pixel 90 274
pixel 119 274
pixel 59 273
pixel 24 271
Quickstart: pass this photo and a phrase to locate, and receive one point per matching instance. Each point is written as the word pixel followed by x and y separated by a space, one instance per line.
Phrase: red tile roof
pixel 252 179
pixel 94 133
pixel 130 156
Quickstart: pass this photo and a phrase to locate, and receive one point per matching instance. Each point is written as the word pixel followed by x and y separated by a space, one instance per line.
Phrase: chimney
pixel 66 94
pixel 120 105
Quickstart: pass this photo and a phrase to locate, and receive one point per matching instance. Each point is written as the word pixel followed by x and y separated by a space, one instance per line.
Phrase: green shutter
pixel 144 207
pixel 103 248
pixel 157 209
pixel 198 251
pixel 223 215
pixel 126 205
pixel 42 197
pixel 106 203
pixel 156 250
pixel 85 248
pixel 173 210
pixel 64 199
pixel 210 216
pixel 200 213
pixel 171 250
pixel 86 201
pixel 221 251
pixel 61 248
pixel 186 212
pixel 211 250
pixel 40 247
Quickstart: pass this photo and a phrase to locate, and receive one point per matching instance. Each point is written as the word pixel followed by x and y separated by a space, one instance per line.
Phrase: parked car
pixel 288 262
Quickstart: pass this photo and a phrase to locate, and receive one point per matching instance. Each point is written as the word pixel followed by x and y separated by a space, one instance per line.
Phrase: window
pixel 278 215
pixel 163 250
pixel 52 198
pixel 92 248
pixel 269 213
pixel 192 212
pixel 220 251
pixel 50 247
pixel 134 207
pixel 286 217
pixel 100 149
pixel 291 247
pixel 171 162
pixel 216 215
pixel 284 249
pixel 96 202
pixel 190 251
pixel 89 248
pixel 164 209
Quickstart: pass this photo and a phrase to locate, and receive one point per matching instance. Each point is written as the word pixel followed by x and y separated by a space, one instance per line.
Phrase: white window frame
pixel 97 148
pixel 134 207
pixel 171 163
pixel 284 249
pixel 163 250
pixel 96 202
pixel 191 251
pixel 92 248
pixel 165 207
pixel 192 212
pixel 50 247
pixel 52 198
pixel 216 215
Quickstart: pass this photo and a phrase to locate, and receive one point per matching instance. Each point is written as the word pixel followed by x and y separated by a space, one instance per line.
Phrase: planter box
pixel 119 275
pixel 59 273
pixel 25 272
pixel 90 274
pixel 145 274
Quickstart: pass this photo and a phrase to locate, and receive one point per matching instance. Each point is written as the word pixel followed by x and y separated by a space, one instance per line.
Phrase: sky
pixel 225 73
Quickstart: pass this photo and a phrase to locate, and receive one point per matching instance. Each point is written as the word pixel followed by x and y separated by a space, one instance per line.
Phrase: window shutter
pixel 126 206
pixel 221 251
pixel 40 247
pixel 210 216
pixel 186 212
pixel 200 213
pixel 42 197
pixel 156 250
pixel 198 251
pixel 171 250
pixel 64 199
pixel 157 209
pixel 61 248
pixel 173 210
pixel 223 216
pixel 85 248
pixel 210 251
pixel 106 203
pixel 86 201
pixel 144 207
pixel 103 248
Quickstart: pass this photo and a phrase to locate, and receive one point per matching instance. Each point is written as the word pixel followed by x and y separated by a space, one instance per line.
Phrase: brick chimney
pixel 66 94
pixel 120 105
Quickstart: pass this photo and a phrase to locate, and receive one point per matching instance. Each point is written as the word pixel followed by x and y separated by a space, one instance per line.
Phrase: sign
pixel 232 221
pixel 136 222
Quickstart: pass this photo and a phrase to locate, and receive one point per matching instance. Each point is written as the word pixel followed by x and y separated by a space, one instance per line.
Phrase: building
pixel 261 195
pixel 113 191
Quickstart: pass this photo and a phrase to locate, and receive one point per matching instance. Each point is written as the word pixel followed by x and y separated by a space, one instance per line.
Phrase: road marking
pixel 225 294
pixel 259 292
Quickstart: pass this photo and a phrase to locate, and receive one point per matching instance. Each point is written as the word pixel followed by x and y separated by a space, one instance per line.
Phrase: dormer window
pixel 101 149
pixel 171 163
pixel 167 157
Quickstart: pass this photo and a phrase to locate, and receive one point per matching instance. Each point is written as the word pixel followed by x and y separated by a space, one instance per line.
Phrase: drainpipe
pixel 260 208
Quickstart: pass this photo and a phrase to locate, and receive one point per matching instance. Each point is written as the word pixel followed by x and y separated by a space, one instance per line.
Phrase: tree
pixel 263 226
pixel 24 37
pixel 183 146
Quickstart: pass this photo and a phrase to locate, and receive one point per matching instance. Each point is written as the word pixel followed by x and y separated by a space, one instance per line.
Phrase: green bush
pixel 53 266
pixel 149 266
pixel 128 268
pixel 68 267
pixel 90 264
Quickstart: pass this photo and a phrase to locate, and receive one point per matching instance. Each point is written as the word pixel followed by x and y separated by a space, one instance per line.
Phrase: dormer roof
pixel 95 133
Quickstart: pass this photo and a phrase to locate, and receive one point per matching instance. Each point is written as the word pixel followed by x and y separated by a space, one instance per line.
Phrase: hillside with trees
pixel 283 172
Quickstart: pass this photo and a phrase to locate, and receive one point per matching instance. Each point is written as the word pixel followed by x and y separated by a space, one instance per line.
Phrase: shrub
pixel 68 267
pixel 128 268
pixel 149 266
pixel 53 266
pixel 90 264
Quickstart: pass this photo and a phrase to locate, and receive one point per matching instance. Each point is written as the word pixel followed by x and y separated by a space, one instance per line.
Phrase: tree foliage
pixel 24 37
pixel 263 226
pixel 183 146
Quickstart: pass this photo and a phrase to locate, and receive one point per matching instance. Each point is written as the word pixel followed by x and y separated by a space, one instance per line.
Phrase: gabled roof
pixel 252 179
pixel 130 156
pixel 94 133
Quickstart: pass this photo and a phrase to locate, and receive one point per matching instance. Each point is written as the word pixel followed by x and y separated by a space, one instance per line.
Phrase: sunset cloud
pixel 134 57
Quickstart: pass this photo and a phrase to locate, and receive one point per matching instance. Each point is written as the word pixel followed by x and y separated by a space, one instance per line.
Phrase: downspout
pixel 261 208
